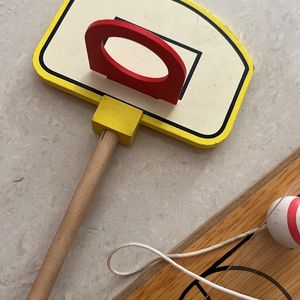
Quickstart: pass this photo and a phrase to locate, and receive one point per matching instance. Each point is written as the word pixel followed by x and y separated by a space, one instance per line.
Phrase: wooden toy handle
pixel 74 215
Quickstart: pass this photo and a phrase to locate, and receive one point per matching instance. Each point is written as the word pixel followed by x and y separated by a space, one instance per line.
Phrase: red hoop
pixel 166 88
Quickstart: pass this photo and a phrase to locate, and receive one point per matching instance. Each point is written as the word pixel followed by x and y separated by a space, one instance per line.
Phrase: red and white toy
pixel 283 221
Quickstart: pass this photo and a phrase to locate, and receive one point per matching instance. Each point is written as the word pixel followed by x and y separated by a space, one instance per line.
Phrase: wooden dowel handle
pixel 74 215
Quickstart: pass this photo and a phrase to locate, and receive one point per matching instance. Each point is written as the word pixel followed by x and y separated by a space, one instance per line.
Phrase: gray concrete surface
pixel 158 191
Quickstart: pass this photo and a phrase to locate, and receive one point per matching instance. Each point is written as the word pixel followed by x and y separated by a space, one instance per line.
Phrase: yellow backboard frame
pixel 148 120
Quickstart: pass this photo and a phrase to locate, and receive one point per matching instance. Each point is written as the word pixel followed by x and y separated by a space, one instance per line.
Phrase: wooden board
pixel 263 269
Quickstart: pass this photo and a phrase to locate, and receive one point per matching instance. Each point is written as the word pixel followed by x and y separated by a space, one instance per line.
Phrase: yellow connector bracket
pixel 119 117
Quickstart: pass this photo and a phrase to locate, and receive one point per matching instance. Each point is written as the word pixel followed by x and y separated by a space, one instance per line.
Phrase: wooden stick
pixel 75 213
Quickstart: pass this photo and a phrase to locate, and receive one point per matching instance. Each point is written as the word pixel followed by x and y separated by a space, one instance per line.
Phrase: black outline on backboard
pixel 188 48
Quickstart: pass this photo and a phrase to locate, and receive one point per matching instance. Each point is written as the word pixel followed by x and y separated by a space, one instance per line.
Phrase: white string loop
pixel 169 259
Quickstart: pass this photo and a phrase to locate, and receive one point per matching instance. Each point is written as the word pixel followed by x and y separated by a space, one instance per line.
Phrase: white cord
pixel 169 258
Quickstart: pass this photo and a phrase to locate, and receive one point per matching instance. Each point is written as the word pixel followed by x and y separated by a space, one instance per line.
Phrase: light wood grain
pixel 74 215
pixel 262 253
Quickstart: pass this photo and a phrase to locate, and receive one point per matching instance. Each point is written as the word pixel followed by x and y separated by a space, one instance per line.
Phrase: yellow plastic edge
pixel 147 120
pixel 119 117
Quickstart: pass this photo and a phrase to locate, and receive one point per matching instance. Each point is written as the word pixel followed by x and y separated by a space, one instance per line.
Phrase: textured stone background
pixel 157 192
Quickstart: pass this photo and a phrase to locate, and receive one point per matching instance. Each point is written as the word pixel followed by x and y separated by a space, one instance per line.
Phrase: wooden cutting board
pixel 262 268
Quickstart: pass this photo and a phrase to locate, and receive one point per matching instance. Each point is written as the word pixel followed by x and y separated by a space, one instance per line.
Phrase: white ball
pixel 284 221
